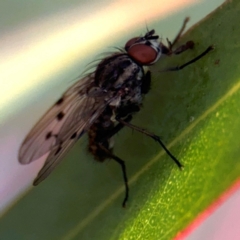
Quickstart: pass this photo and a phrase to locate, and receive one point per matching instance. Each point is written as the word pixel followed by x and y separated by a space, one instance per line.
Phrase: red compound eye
pixel 142 53
pixel 131 42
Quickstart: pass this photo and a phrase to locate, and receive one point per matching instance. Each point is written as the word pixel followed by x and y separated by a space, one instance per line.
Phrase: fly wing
pixel 53 159
pixel 62 125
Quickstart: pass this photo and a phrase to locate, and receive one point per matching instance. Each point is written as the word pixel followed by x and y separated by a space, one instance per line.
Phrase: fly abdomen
pixel 98 134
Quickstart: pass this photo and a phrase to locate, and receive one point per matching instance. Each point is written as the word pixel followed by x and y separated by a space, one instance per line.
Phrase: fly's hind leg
pixel 109 154
pixel 123 167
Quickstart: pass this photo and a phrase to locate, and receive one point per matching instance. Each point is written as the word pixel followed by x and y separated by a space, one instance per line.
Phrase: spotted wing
pixel 62 125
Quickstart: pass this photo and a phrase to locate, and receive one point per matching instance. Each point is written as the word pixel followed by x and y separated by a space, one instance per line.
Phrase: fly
pixel 101 104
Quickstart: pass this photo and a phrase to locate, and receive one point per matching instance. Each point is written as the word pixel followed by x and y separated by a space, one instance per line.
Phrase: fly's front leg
pixel 177 68
pixel 171 44
pixel 169 49
pixel 188 45
pixel 146 83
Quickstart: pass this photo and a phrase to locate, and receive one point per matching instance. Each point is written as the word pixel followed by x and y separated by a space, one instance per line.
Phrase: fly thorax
pixel 128 74
pixel 116 71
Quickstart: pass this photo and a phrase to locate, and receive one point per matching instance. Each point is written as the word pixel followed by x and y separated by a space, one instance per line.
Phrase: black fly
pixel 101 104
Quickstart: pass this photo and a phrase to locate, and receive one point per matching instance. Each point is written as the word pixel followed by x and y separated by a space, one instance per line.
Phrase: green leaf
pixel 196 111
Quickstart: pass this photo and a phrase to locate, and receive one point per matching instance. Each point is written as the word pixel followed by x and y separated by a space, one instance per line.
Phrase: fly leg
pixel 108 153
pixel 188 45
pixel 115 130
pixel 171 44
pixel 123 166
pixel 177 68
pixel 153 136
pixel 169 49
